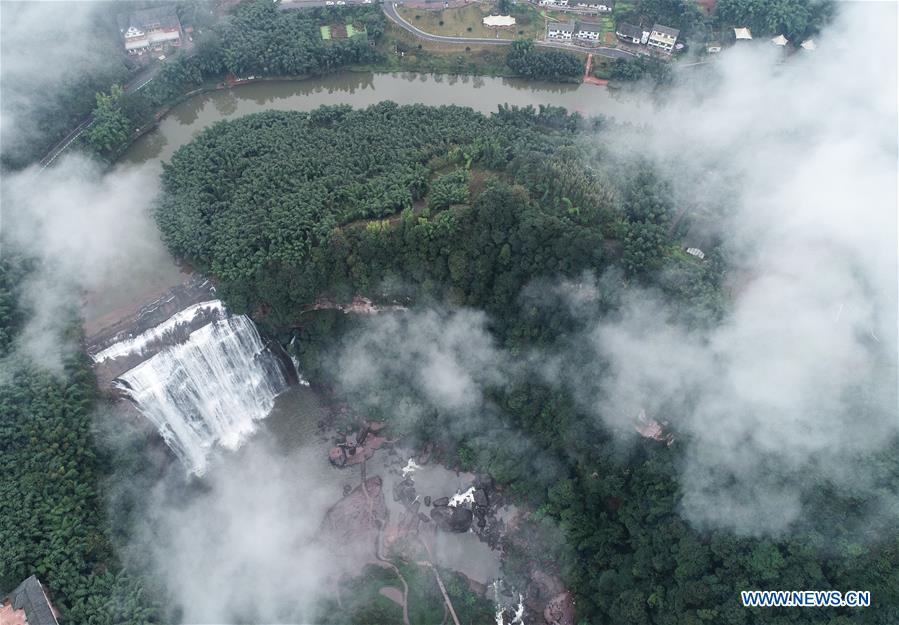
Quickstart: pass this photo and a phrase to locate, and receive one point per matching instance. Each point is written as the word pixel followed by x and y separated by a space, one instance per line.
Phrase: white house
pixel 561 30
pixel 663 38
pixel 589 32
pixel 808 44
pixel 695 251
pixel 742 34
pixel 150 28
pixel 780 40
pixel 599 7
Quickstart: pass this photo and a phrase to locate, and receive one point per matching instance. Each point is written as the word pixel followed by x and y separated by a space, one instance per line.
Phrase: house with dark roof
pixel 629 32
pixel 663 37
pixel 150 28
pixel 27 604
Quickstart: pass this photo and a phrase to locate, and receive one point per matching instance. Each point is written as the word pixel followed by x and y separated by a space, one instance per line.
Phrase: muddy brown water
pixel 360 89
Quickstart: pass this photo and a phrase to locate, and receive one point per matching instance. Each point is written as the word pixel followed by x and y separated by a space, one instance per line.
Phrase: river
pixel 360 89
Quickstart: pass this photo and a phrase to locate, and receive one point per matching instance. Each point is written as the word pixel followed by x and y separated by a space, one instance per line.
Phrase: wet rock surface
pixel 404 491
pixel 356 518
pixel 355 448
pixel 457 519
pixel 560 610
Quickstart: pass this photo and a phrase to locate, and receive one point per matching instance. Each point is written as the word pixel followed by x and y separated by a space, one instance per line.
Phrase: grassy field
pixel 467 22
pixel 326 32
pixel 622 7
pixel 427 56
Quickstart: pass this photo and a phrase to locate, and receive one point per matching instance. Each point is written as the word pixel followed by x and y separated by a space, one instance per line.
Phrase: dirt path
pixel 589 78
pixel 384 560
pixel 446 599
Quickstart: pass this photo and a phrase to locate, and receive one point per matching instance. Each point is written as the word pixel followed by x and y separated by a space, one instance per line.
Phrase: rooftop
pixel 29 596
pixel 629 30
pixel 154 17
pixel 742 33
pixel 780 40
pixel 665 30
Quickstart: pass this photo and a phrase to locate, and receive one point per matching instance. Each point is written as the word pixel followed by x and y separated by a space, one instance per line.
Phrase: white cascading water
pixel 209 389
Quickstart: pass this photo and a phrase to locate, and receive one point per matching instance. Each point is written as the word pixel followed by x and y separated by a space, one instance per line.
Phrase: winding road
pixel 393 15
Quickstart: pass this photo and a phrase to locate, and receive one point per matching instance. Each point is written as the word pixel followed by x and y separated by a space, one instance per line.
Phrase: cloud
pixel 50 51
pixel 791 166
pixel 93 237
pixel 242 545
pixel 797 163
pixel 448 357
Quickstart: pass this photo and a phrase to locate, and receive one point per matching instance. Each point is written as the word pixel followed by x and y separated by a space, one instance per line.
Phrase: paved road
pixel 137 82
pixel 394 16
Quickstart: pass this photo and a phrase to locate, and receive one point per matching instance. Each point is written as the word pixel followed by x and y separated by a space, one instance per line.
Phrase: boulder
pixel 559 610
pixel 480 498
pixel 427 500
pixel 461 519
pixel 483 481
pixel 337 456
pixel 452 519
pixel 404 491
pixel 442 502
pixel 425 456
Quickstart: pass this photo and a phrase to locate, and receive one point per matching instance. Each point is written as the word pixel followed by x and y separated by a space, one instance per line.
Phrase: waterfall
pixel 208 388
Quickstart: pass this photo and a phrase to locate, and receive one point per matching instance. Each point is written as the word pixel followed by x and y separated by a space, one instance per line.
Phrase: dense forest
pixel 53 522
pixel 446 205
pixel 525 60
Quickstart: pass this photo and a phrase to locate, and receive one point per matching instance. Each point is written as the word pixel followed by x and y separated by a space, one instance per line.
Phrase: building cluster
pixel 150 29
pixel 568 31
pixel 660 37
pixel 598 6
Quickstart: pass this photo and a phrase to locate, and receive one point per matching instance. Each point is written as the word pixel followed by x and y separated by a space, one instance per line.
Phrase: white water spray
pixel 208 390
pixel 410 467
pixel 461 498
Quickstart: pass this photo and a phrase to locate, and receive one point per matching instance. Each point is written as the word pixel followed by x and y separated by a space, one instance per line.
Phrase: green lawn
pixel 467 21
pixel 326 32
